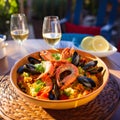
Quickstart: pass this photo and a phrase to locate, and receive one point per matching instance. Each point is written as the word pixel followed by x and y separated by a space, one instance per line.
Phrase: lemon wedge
pixel 99 43
pixel 86 43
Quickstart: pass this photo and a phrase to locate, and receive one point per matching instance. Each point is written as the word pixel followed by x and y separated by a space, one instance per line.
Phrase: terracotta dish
pixel 59 104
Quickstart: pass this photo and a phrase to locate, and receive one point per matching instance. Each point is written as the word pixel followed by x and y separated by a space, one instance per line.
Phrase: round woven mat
pixel 13 107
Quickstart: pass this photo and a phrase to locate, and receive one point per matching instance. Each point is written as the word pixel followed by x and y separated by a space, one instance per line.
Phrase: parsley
pixel 38 85
pixel 69 59
pixel 56 56
pixel 68 91
pixel 39 68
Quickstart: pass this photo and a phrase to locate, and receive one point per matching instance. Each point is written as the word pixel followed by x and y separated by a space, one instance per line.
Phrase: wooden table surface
pixel 14 52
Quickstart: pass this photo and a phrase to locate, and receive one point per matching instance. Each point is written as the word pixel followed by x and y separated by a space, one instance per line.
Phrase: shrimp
pixel 44 93
pixel 49 69
pixel 59 63
pixel 66 81
pixel 67 52
pixel 46 55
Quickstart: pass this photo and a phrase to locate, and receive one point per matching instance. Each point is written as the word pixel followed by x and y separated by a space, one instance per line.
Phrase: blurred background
pixel 35 10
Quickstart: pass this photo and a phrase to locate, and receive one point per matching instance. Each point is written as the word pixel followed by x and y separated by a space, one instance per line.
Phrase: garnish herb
pixel 38 85
pixel 56 56
pixel 39 68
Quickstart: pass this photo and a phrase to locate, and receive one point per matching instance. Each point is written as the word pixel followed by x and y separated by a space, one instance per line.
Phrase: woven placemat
pixel 13 107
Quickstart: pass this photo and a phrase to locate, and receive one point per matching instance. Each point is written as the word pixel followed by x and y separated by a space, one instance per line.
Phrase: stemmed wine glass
pixel 51 30
pixel 19 28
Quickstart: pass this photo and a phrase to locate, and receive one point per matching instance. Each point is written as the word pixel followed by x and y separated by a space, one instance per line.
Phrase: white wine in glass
pixel 51 30
pixel 19 28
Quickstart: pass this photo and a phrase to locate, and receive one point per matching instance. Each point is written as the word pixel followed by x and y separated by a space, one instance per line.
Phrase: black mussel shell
pixel 54 93
pixel 87 82
pixel 75 58
pixel 33 60
pixel 95 70
pixel 30 68
pixel 51 95
pixel 22 69
pixel 90 64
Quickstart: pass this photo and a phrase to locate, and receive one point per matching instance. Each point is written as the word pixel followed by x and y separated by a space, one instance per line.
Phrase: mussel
pixel 27 68
pixel 33 60
pixel 87 82
pixel 95 70
pixel 75 58
pixel 89 65
pixel 92 67
pixel 55 92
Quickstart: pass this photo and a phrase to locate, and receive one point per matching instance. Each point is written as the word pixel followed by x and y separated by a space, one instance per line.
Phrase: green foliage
pixel 7 7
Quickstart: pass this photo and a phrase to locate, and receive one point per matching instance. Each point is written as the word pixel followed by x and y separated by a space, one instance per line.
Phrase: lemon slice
pixel 87 43
pixel 99 43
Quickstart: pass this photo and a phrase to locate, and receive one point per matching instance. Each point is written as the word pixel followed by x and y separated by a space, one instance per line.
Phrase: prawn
pixel 67 52
pixel 46 55
pixel 66 81
pixel 44 93
pixel 49 69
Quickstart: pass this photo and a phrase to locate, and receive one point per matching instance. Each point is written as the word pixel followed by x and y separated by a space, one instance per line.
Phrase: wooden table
pixel 15 52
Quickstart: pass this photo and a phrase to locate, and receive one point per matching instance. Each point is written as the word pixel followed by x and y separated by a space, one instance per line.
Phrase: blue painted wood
pixel 77 11
pixel 101 14
pixel 106 30
pixel 113 13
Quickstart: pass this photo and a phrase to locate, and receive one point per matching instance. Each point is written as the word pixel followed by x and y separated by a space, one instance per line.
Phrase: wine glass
pixel 51 30
pixel 19 28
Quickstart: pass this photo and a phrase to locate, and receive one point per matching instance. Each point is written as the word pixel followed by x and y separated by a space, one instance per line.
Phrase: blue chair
pixel 102 28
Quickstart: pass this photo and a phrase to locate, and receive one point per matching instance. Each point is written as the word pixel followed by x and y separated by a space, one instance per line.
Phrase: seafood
pixel 49 69
pixel 66 81
pixel 48 81
pixel 33 60
pixel 27 68
pixel 88 82
pixel 58 76
pixel 95 70
pixel 67 52
pixel 75 58
pixel 92 68
pixel 55 92
pixel 44 93
pixel 90 64
pixel 46 55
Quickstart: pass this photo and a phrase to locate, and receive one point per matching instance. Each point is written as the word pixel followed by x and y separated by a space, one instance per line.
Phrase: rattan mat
pixel 13 107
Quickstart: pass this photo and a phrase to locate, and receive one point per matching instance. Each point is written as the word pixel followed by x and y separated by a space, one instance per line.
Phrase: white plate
pixel 111 51
pixel 64 44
